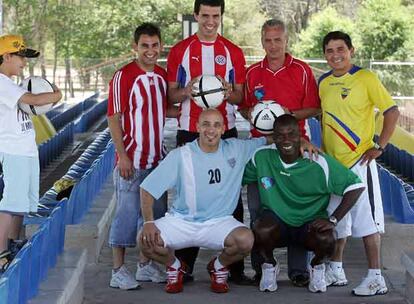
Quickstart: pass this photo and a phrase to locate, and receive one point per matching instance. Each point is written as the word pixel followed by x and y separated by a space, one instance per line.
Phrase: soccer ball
pixel 264 114
pixel 36 85
pixel 208 92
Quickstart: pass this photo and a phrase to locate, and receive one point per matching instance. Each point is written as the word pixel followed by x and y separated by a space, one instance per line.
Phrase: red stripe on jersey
pixel 220 69
pixel 196 70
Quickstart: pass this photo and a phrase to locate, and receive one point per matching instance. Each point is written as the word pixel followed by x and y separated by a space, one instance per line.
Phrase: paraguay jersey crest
pixel 220 60
pixel 345 92
pixel 267 182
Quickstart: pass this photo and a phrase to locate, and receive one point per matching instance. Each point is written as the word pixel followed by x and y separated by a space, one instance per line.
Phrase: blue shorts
pixel 128 219
pixel 21 183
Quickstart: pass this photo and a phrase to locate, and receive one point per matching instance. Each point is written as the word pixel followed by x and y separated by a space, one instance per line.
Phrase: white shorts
pixel 366 216
pixel 178 233
pixel 21 183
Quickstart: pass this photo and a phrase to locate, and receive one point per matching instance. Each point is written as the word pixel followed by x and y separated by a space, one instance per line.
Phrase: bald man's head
pixel 211 127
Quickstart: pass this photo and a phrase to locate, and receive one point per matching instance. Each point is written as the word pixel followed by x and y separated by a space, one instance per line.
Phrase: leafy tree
pixel 385 27
pixel 242 23
pixel 309 43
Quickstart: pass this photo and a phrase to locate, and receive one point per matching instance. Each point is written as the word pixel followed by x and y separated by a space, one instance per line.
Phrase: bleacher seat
pixel 401 209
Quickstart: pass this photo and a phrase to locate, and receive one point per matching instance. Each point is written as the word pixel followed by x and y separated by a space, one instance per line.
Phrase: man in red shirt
pixel 289 82
pixel 205 53
pixel 137 107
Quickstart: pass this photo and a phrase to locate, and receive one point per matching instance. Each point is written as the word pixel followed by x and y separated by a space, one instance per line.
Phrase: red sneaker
pixel 218 278
pixel 175 278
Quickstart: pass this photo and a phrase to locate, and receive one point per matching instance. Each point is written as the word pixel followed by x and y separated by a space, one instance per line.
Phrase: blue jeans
pixel 128 219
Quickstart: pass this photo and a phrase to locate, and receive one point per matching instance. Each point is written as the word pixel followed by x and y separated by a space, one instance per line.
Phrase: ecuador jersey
pixel 292 86
pixel 348 117
pixel 191 58
pixel 141 98
pixel 300 192
pixel 207 184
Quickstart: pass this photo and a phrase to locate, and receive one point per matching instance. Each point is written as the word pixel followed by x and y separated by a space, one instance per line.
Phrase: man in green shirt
pixel 294 194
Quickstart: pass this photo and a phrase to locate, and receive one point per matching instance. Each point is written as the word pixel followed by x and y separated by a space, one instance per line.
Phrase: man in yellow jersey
pixel 349 95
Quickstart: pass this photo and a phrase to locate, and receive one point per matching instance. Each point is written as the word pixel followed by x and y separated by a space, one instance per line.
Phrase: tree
pixel 385 27
pixel 239 30
pixel 309 43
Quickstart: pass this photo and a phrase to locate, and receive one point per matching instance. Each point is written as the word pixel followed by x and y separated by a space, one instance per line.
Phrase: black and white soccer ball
pixel 264 115
pixel 36 85
pixel 208 92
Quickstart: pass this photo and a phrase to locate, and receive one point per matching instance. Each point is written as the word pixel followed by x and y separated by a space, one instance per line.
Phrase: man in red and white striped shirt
pixel 137 107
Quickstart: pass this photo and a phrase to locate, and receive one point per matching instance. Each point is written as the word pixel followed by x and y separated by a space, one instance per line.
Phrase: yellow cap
pixel 15 44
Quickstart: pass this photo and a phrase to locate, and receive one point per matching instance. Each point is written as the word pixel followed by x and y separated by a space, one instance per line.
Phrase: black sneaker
pixel 15 246
pixel 300 280
pixel 5 261
pixel 188 278
pixel 242 279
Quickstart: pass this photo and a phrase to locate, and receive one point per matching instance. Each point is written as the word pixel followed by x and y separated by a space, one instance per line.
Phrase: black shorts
pixel 288 234
pixel 184 137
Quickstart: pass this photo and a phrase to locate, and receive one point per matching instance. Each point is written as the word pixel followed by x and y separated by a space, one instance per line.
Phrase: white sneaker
pixel 317 281
pixel 268 281
pixel 335 276
pixel 371 286
pixel 123 279
pixel 150 272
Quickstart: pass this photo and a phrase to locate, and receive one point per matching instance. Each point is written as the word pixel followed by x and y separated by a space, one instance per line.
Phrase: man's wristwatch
pixel 333 220
pixel 378 147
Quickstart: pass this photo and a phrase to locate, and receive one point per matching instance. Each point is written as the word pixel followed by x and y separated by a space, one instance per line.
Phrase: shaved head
pixel 211 127
pixel 210 112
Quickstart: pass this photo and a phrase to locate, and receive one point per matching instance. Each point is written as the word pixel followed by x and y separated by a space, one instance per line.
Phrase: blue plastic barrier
pixel 4 289
pixel 401 209
pixel 52 148
pixel 315 130
pixel 12 276
pixel 24 263
pixel 385 184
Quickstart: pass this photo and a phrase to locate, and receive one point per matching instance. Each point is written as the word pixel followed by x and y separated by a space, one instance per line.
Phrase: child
pixel 18 150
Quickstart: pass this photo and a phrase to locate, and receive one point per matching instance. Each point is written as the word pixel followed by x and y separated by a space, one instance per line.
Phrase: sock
pixel 217 264
pixel 268 265
pixel 115 270
pixel 335 265
pixel 176 264
pixel 374 272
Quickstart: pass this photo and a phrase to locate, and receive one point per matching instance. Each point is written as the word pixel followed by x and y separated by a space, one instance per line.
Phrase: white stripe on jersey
pixel 189 180
pixel 136 116
pixel 208 58
pixel 116 91
pixel 321 161
pixel 147 86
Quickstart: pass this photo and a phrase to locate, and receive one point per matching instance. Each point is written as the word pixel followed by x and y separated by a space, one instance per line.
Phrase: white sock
pixel 268 265
pixel 335 265
pixel 374 272
pixel 217 264
pixel 176 264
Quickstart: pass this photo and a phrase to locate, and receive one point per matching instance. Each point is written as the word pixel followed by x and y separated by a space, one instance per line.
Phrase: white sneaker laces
pixel 221 276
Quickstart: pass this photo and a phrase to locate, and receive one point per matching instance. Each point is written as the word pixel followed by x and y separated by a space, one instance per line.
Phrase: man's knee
pixel 242 238
pixel 266 229
pixel 150 251
pixel 322 243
